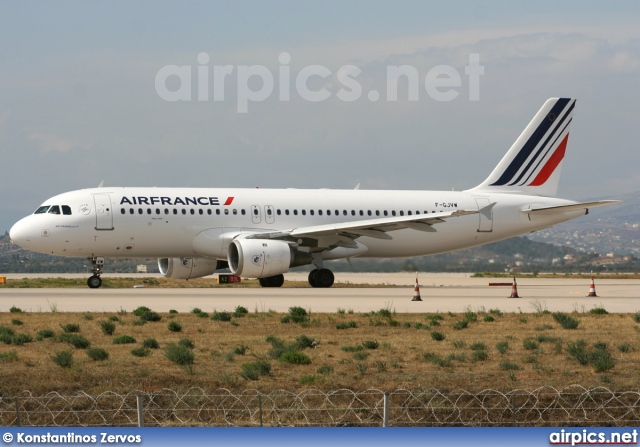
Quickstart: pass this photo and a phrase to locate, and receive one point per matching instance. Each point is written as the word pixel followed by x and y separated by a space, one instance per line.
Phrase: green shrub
pixel 15 310
pixel 530 344
pixel 438 336
pixel 45 333
pixel 4 330
pixel 179 354
pixel 20 339
pixel 488 318
pixel 462 324
pixel 370 344
pixel 352 348
pixel 601 360
pixel 278 346
pixel 196 310
pixel 63 359
pixel 107 327
pixel 139 323
pixel 360 355
pixel 470 316
pixel 324 370
pixel 174 326
pixel 150 343
pixel 115 319
pixel 221 316
pixel 150 315
pixel 600 345
pixel 625 347
pixel 578 351
pixel 566 321
pixel 547 339
pixel 349 325
pixel 598 311
pixel 97 354
pixel 496 312
pixel 75 340
pixel 186 343
pixel 544 327
pixel 70 328
pixel 478 346
pixel 173 311
pixel 253 371
pixel 458 344
pixel 6 357
pixel 479 356
pixel 240 312
pixel 361 368
pixel 123 340
pixel 141 352
pixel 240 350
pixel 295 358
pixel 138 311
pixel 88 317
pixel 17 322
pixel 420 325
pixel 436 359
pixel 296 315
pixel 308 380
pixel 509 366
pixel 303 342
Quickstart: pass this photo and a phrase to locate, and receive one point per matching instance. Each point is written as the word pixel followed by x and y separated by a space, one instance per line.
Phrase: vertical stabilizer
pixel 533 164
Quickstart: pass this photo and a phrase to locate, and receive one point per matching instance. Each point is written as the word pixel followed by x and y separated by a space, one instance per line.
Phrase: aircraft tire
pixel 94 282
pixel 263 282
pixel 313 282
pixel 275 281
pixel 324 278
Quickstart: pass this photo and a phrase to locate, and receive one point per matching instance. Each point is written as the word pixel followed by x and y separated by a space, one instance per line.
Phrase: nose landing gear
pixel 97 263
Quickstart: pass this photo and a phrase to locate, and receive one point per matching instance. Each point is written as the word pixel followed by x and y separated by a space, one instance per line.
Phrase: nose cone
pixel 20 233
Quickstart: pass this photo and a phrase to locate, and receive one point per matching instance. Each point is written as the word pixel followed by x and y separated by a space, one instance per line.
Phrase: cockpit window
pixel 41 210
pixel 55 209
pixel 66 210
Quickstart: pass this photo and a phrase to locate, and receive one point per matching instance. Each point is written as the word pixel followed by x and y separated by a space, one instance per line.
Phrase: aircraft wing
pixel 574 207
pixel 344 233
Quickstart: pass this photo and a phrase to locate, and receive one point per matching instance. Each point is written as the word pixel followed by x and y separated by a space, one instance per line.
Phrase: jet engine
pixel 188 268
pixel 261 258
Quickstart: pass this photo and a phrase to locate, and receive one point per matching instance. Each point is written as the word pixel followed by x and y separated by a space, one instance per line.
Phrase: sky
pixel 84 94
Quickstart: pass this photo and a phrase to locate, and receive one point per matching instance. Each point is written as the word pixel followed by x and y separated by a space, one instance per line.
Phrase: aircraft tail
pixel 533 164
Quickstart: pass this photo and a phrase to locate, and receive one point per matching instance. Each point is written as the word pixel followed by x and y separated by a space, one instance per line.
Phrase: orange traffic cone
pixel 416 291
pixel 592 288
pixel 514 289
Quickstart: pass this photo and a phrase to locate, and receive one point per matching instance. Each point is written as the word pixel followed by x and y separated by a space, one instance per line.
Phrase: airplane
pixel 262 233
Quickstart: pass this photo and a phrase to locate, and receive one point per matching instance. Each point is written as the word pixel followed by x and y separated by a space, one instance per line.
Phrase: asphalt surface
pixel 439 293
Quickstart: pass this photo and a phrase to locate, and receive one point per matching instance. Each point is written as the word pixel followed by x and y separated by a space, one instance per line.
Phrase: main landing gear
pixel 321 278
pixel 97 263
pixel 272 281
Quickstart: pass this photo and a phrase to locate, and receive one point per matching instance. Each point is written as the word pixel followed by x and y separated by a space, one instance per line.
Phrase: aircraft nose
pixel 20 234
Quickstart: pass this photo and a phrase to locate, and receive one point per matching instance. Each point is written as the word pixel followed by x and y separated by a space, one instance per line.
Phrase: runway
pixel 440 293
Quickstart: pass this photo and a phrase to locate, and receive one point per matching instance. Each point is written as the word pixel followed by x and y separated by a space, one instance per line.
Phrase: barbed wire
pixel 570 406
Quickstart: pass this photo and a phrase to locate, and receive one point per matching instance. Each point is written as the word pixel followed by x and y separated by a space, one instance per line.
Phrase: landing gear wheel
pixel 94 282
pixel 324 278
pixel 272 281
pixel 313 281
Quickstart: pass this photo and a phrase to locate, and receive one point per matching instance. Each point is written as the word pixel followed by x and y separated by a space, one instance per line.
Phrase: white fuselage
pixel 166 222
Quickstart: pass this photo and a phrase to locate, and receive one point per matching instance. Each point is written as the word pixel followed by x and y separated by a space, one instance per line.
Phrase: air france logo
pixel 256 259
pixel 84 209
pixel 174 201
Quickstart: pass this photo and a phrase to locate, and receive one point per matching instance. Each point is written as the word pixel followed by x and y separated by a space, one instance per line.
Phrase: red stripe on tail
pixel 551 165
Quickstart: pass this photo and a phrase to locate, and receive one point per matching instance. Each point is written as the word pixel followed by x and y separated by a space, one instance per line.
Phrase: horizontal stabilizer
pixel 565 208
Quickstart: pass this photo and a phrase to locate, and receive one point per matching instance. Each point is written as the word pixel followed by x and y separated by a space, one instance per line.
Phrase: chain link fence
pixel 546 406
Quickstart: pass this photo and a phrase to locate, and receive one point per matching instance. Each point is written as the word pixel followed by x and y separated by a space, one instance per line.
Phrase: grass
pixel 398 361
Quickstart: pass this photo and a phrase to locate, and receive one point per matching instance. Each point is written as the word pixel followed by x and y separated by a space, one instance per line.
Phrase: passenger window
pixel 218 212
pixel 369 213
pixel 269 212
pixel 55 209
pixel 244 212
pixel 278 212
pixel 361 213
pixel 304 212
pixel 157 210
pixel 319 212
pixel 393 213
pixel 175 211
pixel 42 209
pixel 295 212
pixel 377 212
pixel 408 213
pixel 386 213
pixel 353 213
pixel 148 210
pixel 131 211
pixel 328 212
pixel 402 213
pixel 226 211
pixel 286 212
pixel 311 212
pixel 66 210
pixel 235 212
pixel 192 211
pixel 166 210
pixel 255 211
pixel 140 211
pixel 184 211
pixel 200 211
pixel 122 211
pixel 209 212
pixel 344 212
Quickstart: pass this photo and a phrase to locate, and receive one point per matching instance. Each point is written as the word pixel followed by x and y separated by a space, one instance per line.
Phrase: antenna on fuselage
pixel 357 186
pixel 101 184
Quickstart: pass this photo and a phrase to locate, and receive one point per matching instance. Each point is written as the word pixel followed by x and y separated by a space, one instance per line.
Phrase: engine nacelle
pixel 188 268
pixel 260 258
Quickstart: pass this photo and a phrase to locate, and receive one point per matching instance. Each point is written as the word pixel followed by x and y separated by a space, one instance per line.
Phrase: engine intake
pixel 260 258
pixel 188 268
